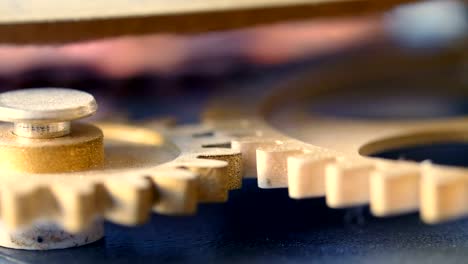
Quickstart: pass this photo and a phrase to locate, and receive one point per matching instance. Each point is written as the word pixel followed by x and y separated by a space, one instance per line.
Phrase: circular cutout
pixel 391 107
pixel 443 147
pixel 450 153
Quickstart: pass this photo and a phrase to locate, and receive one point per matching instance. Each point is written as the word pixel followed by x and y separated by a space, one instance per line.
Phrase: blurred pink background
pixel 211 54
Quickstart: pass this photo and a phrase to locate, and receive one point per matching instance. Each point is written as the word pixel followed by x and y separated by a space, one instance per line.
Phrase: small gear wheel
pixel 60 179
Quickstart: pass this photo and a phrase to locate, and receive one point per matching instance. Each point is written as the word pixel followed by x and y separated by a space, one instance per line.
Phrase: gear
pixel 67 181
pixel 74 21
pixel 338 164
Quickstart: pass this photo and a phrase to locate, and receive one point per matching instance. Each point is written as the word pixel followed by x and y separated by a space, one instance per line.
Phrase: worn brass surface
pixel 83 149
pixel 59 178
pixel 167 170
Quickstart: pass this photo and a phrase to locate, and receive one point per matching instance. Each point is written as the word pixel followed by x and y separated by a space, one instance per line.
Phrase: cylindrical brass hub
pixel 82 149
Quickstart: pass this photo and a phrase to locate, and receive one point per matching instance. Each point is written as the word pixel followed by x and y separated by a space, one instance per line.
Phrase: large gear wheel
pixel 75 21
pixel 338 164
pixel 49 199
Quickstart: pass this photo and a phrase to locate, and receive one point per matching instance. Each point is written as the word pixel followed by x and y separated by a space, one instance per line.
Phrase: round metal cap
pixel 45 105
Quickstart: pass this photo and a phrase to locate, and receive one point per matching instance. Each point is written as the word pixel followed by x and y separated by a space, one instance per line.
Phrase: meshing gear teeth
pixel 60 180
pixel 335 165
pixel 122 193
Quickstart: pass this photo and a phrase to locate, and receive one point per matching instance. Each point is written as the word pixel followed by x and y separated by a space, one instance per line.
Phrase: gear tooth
pixel 132 199
pixel 306 174
pixel 347 183
pixel 79 205
pixel 443 194
pixel 176 191
pixel 394 189
pixel 213 178
pixel 234 167
pixel 272 165
pixel 248 147
pixel 206 143
pixel 21 206
pixel 15 207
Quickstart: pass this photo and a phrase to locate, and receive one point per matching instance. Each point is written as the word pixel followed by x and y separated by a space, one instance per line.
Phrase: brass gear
pixel 336 165
pixel 60 189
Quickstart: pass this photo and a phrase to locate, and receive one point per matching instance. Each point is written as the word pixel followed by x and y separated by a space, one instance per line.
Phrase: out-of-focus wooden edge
pixel 72 30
